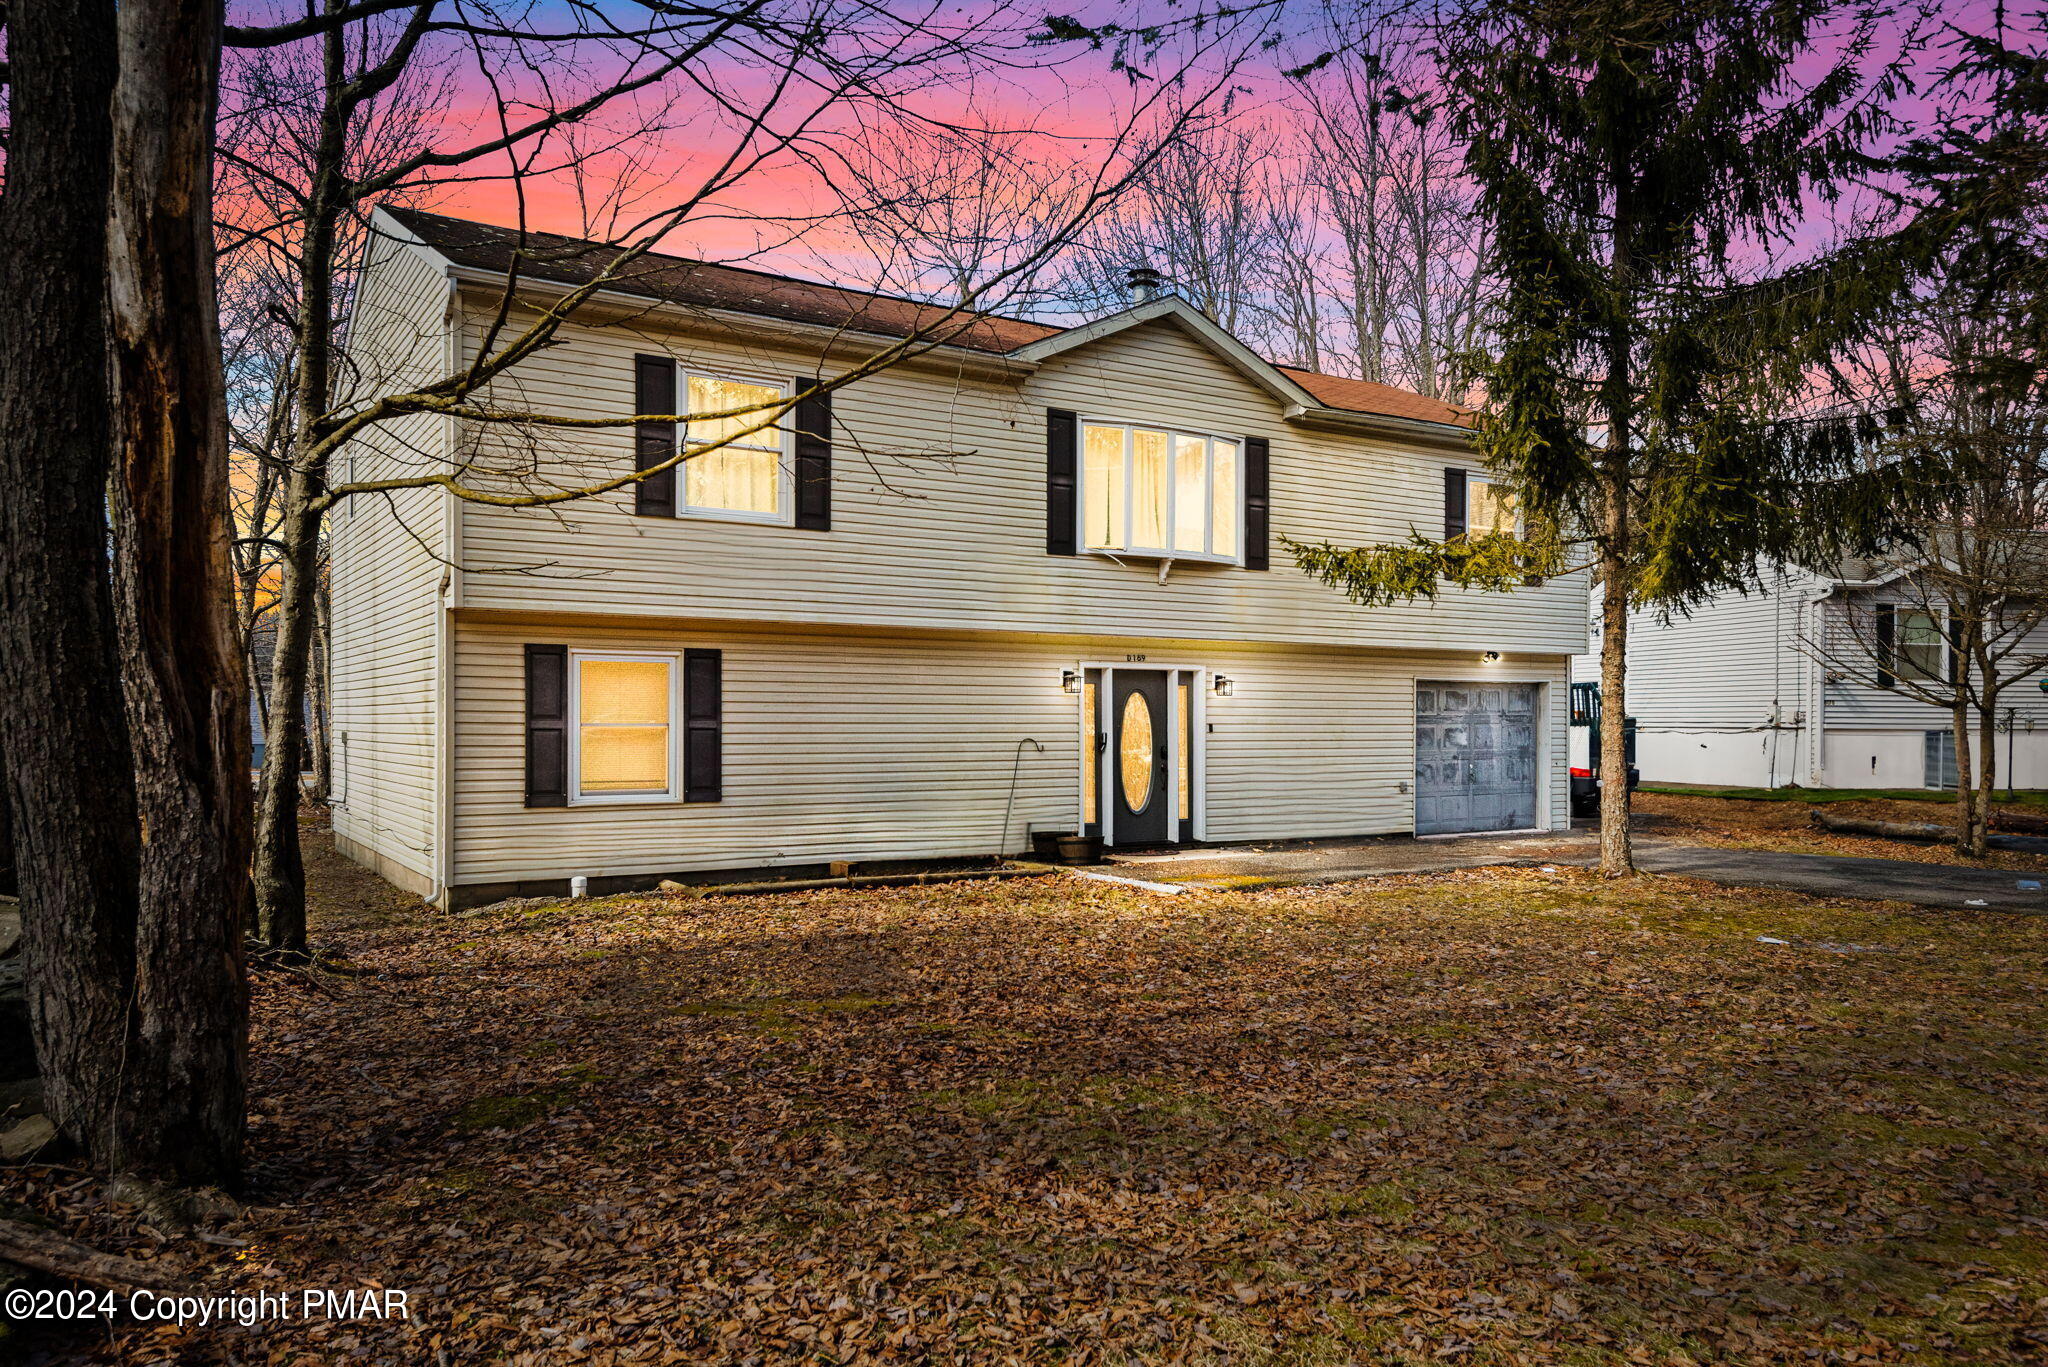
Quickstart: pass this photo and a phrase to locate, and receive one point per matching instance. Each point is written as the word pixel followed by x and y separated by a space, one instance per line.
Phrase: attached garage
pixel 1475 757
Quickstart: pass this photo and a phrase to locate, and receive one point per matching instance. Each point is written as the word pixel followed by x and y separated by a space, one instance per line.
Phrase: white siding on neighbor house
pixel 386 576
pixel 1723 667
pixel 1856 702
pixel 938 516
pixel 1703 687
pixel 1720 693
pixel 874 746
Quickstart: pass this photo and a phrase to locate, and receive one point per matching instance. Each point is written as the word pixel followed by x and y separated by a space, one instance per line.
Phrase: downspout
pixel 449 598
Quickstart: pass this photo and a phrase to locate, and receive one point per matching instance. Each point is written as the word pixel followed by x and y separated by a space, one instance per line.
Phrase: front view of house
pixel 1034 580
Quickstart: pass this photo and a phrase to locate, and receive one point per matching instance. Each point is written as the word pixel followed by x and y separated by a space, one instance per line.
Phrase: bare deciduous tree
pixel 1961 614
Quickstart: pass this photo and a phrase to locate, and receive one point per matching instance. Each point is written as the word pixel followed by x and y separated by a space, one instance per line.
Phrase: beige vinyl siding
pixel 939 512
pixel 872 746
pixel 387 567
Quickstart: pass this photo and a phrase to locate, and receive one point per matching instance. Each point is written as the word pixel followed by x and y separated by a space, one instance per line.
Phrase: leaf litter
pixel 1494 1117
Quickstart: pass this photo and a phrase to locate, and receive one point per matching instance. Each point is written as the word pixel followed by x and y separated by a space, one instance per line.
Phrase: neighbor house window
pixel 1155 491
pixel 1920 650
pixel 1490 507
pixel 624 707
pixel 745 476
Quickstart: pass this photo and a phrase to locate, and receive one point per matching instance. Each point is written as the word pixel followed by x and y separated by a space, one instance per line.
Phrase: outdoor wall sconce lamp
pixel 1070 680
pixel 1491 657
pixel 1224 687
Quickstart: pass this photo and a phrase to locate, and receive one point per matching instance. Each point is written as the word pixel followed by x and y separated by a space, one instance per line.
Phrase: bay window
pixel 1156 491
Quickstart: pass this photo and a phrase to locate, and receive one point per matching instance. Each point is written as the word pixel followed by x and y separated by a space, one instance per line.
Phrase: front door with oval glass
pixel 1143 799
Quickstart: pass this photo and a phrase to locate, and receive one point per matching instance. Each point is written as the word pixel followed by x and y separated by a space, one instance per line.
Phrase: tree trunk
pixel 1617 858
pixel 320 743
pixel 9 886
pixel 68 777
pixel 1987 772
pixel 1966 789
pixel 174 576
pixel 280 873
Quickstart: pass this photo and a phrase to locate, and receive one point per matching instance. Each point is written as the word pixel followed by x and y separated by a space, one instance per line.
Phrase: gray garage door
pixel 1475 757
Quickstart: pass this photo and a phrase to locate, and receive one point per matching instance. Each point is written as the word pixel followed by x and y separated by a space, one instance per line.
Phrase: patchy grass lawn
pixel 1490 1118
pixel 1753 819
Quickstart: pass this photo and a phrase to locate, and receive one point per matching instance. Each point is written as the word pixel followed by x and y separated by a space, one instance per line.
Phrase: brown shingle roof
pixel 1367 396
pixel 707 284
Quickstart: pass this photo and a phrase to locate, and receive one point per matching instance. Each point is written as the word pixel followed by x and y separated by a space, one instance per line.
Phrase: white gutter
pixel 1383 425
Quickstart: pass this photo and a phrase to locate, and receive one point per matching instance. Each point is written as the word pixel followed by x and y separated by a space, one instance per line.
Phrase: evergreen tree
pixel 1658 402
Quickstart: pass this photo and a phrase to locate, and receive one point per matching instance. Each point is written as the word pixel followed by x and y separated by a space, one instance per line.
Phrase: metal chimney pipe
pixel 1144 284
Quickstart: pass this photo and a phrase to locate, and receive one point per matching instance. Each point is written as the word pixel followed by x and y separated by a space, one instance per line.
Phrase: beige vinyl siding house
pixel 896 659
pixel 1780 687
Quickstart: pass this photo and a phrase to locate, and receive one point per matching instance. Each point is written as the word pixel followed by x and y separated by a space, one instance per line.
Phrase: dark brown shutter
pixel 1062 494
pixel 1454 503
pixel 703 725
pixel 1258 503
pixel 1886 631
pixel 813 459
pixel 1954 636
pixel 654 443
pixel 547 726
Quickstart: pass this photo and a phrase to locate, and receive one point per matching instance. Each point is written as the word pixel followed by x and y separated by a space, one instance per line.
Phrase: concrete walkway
pixel 1301 863
pixel 1329 861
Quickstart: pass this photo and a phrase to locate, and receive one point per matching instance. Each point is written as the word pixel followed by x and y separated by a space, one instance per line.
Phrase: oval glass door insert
pixel 1135 751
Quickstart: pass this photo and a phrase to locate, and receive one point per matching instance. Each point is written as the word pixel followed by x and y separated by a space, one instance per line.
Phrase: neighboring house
pixel 827 647
pixel 1795 683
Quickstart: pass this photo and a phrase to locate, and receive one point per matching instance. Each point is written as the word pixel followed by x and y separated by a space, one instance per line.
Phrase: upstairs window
pixel 1490 507
pixel 1155 491
pixel 745 477
pixel 1922 649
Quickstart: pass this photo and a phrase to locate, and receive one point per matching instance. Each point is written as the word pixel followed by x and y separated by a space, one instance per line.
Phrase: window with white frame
pixel 1490 507
pixel 1156 491
pixel 1921 651
pixel 625 707
pixel 745 477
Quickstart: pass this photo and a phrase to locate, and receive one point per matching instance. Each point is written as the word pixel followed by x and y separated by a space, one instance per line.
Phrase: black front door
pixel 1143 801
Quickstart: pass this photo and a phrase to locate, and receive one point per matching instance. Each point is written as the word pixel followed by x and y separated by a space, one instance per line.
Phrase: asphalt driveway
pixel 1298 863
pixel 1822 875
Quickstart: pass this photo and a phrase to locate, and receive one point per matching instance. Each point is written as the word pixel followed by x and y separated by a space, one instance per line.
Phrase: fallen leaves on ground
pixel 1488 1118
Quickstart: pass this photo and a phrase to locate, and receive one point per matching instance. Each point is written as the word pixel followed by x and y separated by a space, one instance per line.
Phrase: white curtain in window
pixel 1190 493
pixel 1103 475
pixel 1149 490
pixel 745 476
pixel 1223 497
